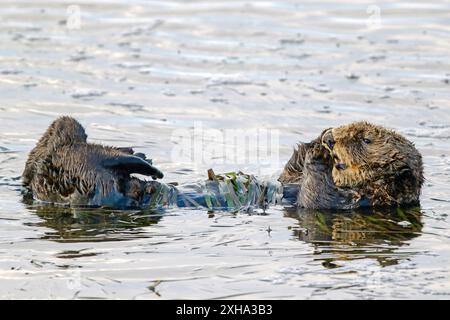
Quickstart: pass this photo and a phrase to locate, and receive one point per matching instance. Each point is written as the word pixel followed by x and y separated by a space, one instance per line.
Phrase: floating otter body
pixel 356 165
pixel 63 168
pixel 348 167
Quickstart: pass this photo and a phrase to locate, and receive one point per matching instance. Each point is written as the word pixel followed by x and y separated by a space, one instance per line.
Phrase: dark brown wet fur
pixel 365 165
pixel 64 168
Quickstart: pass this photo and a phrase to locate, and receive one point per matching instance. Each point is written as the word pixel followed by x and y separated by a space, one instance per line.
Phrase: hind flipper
pixel 132 164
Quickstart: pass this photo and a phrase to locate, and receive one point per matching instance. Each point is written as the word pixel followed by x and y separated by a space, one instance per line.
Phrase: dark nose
pixel 327 138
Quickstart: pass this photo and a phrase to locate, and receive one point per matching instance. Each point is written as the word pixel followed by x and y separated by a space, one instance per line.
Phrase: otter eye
pixel 367 141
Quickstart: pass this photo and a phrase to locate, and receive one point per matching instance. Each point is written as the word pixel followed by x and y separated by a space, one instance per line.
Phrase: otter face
pixel 364 152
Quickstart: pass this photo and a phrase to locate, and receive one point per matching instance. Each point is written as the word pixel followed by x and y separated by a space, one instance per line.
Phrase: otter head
pixel 364 153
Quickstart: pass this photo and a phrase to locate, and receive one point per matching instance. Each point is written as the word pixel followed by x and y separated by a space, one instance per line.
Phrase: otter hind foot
pixel 132 164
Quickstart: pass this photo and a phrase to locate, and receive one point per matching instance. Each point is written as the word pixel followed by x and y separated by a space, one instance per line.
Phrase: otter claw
pixel 317 154
pixel 328 140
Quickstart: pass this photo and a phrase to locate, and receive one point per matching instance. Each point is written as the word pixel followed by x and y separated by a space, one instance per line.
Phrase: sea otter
pixel 64 168
pixel 355 165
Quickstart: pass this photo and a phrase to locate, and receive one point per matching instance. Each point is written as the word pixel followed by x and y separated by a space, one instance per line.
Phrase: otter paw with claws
pixel 317 155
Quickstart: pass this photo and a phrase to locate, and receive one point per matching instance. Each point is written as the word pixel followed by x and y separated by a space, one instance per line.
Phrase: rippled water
pixel 136 71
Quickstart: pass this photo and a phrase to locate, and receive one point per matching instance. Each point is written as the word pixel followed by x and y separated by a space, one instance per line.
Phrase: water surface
pixel 137 71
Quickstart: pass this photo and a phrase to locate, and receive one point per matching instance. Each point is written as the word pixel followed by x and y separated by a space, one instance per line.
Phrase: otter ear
pixel 132 164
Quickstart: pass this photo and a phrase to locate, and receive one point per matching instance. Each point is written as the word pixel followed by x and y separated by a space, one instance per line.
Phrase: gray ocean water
pixel 139 73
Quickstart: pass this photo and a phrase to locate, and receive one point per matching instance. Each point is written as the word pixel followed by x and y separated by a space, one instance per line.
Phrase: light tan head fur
pixel 364 152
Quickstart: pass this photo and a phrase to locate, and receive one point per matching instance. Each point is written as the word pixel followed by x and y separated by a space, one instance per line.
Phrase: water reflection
pixel 375 233
pixel 91 225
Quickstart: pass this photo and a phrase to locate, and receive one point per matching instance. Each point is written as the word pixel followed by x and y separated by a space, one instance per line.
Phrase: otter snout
pixel 328 140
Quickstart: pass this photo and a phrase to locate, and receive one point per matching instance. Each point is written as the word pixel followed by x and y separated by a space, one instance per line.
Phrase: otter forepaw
pixel 317 155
